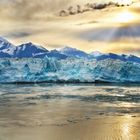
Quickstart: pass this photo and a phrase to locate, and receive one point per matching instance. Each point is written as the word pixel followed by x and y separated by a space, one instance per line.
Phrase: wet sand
pixel 105 128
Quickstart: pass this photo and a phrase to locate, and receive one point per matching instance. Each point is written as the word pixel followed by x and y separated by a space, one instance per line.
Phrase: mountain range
pixel 30 50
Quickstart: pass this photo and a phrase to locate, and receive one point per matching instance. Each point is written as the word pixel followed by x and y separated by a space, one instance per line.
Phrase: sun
pixel 124 16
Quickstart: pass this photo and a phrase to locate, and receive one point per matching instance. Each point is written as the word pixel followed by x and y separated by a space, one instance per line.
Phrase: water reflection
pixel 127 129
pixel 60 104
pixel 103 111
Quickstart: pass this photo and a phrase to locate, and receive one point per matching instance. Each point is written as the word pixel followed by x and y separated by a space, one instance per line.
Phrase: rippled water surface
pixel 56 104
pixel 61 105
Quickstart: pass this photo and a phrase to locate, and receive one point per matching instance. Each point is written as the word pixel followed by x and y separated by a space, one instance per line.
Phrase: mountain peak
pixel 31 47
pixel 73 52
pixel 28 43
pixel 67 48
pixel 30 50
pixel 3 40
pixel 6 47
pixel 96 53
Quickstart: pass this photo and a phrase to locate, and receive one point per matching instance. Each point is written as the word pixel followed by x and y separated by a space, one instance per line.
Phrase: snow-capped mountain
pixel 6 48
pixel 29 50
pixel 4 44
pixel 96 54
pixel 107 56
pixel 123 57
pixel 4 55
pixel 96 67
pixel 72 52
pixel 56 54
pixel 132 58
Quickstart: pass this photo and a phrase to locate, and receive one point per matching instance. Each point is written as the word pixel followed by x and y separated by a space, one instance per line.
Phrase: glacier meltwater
pixel 71 70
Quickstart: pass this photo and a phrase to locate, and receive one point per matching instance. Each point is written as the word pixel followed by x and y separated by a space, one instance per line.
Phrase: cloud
pixel 28 9
pixel 19 34
pixel 82 34
pixel 108 34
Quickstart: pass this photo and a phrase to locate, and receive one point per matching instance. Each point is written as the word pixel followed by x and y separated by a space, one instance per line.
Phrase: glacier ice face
pixel 67 70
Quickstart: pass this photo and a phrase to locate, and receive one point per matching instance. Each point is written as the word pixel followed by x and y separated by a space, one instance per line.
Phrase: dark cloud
pixel 23 33
pixel 27 9
pixel 19 34
pixel 91 6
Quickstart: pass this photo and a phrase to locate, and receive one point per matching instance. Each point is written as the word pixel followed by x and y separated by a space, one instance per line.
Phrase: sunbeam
pixel 116 28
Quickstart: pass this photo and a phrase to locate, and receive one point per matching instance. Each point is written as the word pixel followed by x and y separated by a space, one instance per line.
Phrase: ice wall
pixel 68 70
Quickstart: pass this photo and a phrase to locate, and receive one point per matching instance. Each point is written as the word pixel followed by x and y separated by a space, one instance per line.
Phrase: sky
pixel 112 29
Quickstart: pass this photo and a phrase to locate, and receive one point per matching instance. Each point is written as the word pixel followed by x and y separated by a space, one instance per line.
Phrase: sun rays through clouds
pixel 108 27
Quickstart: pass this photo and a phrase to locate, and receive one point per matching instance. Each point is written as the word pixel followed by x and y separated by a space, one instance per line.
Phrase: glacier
pixel 30 63
pixel 70 70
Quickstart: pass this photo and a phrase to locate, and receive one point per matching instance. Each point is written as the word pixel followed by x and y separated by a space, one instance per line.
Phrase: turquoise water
pixel 61 104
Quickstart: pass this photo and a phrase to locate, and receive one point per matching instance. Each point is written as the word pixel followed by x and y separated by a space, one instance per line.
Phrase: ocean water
pixel 61 104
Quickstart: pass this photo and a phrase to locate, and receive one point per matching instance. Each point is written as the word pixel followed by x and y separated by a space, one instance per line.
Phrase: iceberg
pixel 70 70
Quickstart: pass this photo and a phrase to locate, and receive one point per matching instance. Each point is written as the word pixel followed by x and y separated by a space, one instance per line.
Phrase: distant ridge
pixel 30 50
pixel 73 52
